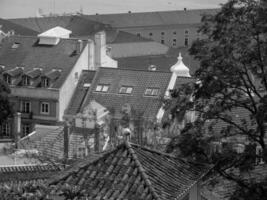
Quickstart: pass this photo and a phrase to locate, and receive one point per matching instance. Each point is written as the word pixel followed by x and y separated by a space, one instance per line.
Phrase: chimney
pixel 67 132
pixel 17 127
pixel 100 48
pixel 91 55
pixel 185 9
pixel 79 47
pixel 97 139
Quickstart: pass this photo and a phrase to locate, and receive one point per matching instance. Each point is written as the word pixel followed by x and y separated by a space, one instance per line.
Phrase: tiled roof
pixel 162 62
pixel 30 55
pixel 152 18
pixel 139 80
pixel 134 172
pixel 18 174
pixel 44 23
pixel 48 140
pixel 80 92
pixel 6 26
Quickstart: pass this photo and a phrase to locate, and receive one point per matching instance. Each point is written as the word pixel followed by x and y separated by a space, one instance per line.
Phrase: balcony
pixel 25 115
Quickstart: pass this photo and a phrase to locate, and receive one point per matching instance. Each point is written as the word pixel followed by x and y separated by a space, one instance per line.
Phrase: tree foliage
pixel 230 96
pixel 5 106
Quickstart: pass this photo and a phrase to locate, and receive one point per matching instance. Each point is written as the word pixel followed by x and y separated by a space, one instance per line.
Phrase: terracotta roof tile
pixel 134 172
pixel 18 174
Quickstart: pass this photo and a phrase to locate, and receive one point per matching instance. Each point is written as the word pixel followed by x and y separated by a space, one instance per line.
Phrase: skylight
pixel 15 45
pixel 126 90
pixel 152 92
pixel 102 88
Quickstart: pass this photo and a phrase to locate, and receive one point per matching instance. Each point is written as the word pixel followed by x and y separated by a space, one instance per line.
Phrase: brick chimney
pixel 17 127
pixel 100 48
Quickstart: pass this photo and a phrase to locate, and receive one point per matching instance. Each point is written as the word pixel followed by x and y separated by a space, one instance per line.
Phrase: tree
pixel 230 96
pixel 5 106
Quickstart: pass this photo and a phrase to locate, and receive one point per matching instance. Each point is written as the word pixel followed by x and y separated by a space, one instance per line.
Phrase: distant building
pixel 43 72
pixel 172 28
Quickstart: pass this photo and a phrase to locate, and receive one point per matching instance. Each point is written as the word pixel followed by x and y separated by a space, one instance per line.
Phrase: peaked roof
pixel 134 172
pixel 29 54
pixel 55 32
pixel 6 25
pixel 137 79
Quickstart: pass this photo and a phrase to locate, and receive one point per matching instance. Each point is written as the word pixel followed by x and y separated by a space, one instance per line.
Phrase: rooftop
pixel 18 174
pixel 134 172
pixel 24 54
pixel 137 82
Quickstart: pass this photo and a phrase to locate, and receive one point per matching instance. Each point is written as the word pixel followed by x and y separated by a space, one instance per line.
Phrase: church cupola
pixel 179 68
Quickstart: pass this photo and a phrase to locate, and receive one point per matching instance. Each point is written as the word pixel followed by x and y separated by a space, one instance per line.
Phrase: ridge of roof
pixel 136 70
pixel 157 11
pixel 142 170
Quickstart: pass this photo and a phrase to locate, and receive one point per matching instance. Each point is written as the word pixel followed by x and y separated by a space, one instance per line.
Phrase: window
pixel 152 92
pixel 45 82
pixel 26 128
pixel 25 106
pixel 7 78
pixel 26 80
pixel 138 34
pixel 6 129
pixel 174 32
pixel 174 42
pixel 102 88
pixel 162 33
pixel 15 45
pixel 44 108
pixel 186 38
pixel 150 34
pixel 126 90
pixel 186 42
pixel 162 41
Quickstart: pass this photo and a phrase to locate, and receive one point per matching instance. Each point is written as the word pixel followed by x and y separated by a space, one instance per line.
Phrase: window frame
pixel 6 126
pixel 152 92
pixel 102 88
pixel 48 108
pixel 45 82
pixel 24 108
pixel 26 81
pixel 24 129
pixel 7 78
pixel 126 88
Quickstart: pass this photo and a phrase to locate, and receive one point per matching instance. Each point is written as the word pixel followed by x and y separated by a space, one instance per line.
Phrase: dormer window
pixel 15 45
pixel 126 90
pixel 7 78
pixel 26 81
pixel 152 92
pixel 102 88
pixel 45 82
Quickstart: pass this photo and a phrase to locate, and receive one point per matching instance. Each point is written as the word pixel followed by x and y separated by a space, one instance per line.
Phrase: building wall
pixel 69 86
pixel 171 32
pixel 137 49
